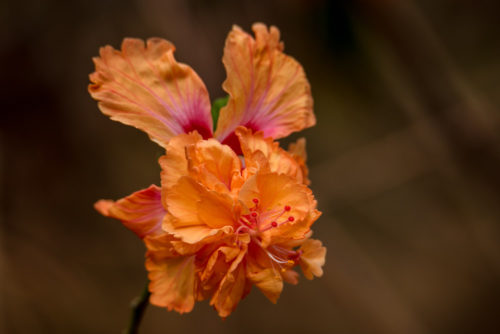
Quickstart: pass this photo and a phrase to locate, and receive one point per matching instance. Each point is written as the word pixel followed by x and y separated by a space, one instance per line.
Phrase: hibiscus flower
pixel 234 209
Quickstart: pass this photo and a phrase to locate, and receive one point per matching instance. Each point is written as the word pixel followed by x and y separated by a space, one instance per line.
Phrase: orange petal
pixel 215 165
pixel 268 280
pixel 145 87
pixel 289 233
pixel 172 283
pixel 268 90
pixel 262 153
pixel 224 252
pixel 142 212
pixel 185 220
pixel 217 210
pixel 274 192
pixel 312 258
pixel 174 164
pixel 232 287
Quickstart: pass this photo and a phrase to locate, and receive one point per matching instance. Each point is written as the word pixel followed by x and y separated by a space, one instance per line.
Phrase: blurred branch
pixel 138 306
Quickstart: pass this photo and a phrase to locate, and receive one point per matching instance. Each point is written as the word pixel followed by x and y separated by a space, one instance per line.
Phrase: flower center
pixel 257 221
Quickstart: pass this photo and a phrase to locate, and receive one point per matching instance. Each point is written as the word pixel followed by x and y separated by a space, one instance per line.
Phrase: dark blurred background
pixel 404 160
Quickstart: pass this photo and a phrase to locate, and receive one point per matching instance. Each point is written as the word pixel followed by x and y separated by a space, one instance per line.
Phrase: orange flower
pixel 220 222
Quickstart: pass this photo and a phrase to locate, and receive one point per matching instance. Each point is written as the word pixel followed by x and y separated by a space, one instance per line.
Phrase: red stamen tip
pixel 255 200
pixel 274 224
pixel 291 218
pixel 287 208
pixel 254 214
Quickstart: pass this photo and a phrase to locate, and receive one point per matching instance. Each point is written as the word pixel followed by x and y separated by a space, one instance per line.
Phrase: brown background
pixel 404 161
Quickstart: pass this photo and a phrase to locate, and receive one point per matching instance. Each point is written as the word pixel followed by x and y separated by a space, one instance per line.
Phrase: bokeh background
pixel 404 161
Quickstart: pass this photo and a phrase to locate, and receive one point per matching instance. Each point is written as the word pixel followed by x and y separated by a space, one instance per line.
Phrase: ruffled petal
pixel 174 164
pixel 312 258
pixel 232 288
pixel 172 283
pixel 268 280
pixel 263 154
pixel 142 212
pixel 145 87
pixel 185 220
pixel 171 275
pixel 268 90
pixel 214 165
pixel 290 232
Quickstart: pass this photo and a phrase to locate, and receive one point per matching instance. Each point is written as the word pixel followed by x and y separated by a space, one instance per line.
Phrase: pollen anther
pixel 291 218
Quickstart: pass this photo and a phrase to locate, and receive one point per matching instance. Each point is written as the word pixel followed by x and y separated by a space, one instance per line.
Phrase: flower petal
pixel 215 165
pixel 312 258
pixel 184 219
pixel 268 90
pixel 273 157
pixel 172 283
pixel 142 212
pixel 286 234
pixel 274 192
pixel 174 164
pixel 145 87
pixel 233 287
pixel 268 280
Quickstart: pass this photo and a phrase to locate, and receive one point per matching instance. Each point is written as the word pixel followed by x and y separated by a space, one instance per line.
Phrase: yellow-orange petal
pixel 184 219
pixel 274 192
pixel 268 280
pixel 172 282
pixel 215 165
pixel 142 212
pixel 264 154
pixel 217 210
pixel 144 86
pixel 174 164
pixel 286 234
pixel 232 287
pixel 312 258
pixel 267 89
pixel 225 254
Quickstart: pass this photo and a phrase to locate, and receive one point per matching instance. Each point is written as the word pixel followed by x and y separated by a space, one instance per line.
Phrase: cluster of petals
pixel 234 209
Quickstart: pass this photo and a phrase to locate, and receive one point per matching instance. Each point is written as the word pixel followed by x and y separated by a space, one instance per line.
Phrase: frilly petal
pixel 232 288
pixel 268 90
pixel 265 154
pixel 185 220
pixel 312 258
pixel 145 87
pixel 174 164
pixel 172 283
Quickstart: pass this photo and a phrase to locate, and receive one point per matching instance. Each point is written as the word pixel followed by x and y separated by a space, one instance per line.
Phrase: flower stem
pixel 138 306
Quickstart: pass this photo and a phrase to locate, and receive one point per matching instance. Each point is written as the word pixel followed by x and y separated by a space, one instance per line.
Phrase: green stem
pixel 138 306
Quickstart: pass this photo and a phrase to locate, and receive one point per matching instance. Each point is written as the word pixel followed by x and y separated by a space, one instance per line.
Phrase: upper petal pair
pixel 144 86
